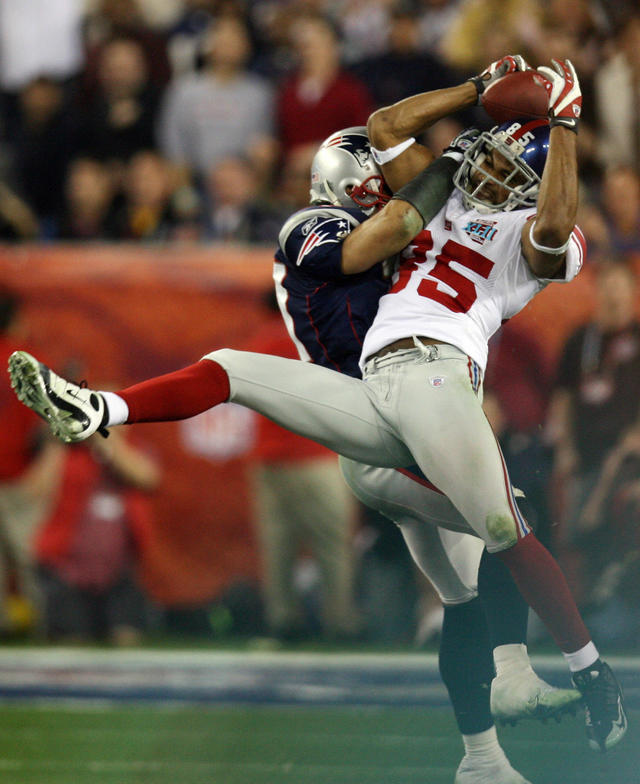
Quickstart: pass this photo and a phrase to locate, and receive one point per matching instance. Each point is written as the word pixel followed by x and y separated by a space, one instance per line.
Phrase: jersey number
pixel 465 289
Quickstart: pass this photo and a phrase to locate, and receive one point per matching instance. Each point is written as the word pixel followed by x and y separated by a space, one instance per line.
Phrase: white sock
pixel 483 744
pixel 585 657
pixel 117 409
pixel 511 658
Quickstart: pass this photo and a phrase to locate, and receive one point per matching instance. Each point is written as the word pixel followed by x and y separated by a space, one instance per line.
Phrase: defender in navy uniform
pixel 328 312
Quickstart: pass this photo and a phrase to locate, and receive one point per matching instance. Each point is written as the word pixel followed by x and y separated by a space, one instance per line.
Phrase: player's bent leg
pixel 450 562
pixel 72 411
pixel 401 496
pixel 330 408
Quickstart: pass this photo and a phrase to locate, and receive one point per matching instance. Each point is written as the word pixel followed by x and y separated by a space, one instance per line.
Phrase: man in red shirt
pixel 27 464
pixel 320 96
pixel 301 503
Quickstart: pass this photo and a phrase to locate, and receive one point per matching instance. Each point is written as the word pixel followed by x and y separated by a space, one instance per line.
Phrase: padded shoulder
pixel 309 217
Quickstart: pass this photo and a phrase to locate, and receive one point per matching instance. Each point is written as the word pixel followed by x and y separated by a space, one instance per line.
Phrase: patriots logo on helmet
pixel 351 144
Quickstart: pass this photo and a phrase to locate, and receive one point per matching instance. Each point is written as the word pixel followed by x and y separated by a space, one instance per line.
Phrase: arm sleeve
pixel 428 191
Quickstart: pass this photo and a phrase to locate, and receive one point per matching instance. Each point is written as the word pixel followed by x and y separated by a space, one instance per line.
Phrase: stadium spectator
pixel 301 503
pixel 617 99
pixel 404 69
pixel 592 412
pixel 435 19
pixel 222 110
pixel 113 19
pixel 17 220
pixel 320 95
pixel 120 120
pixel 27 460
pixel 38 38
pixel 364 28
pixel 187 35
pixel 592 221
pixel 237 212
pixel 611 541
pixel 292 191
pixel 148 209
pixel 483 27
pixel 87 207
pixel 43 144
pixel 621 209
pixel 92 541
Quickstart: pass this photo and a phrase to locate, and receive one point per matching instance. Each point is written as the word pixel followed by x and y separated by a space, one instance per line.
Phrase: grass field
pixel 155 744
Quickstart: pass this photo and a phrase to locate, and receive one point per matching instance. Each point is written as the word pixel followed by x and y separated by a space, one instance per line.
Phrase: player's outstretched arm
pixel 402 218
pixel 391 127
pixel 545 240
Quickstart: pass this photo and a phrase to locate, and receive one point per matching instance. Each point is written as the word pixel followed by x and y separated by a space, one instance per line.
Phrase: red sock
pixel 545 590
pixel 177 395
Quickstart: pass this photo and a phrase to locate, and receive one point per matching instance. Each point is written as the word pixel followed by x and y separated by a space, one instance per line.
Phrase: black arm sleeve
pixel 428 191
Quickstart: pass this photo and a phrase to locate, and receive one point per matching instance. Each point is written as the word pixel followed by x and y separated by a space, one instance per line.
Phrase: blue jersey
pixel 327 313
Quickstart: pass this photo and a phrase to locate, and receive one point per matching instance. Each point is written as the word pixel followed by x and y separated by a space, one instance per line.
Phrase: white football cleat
pixel 478 771
pixel 523 695
pixel 73 412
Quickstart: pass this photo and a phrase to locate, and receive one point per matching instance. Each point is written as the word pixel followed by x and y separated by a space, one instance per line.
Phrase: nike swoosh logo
pixel 621 721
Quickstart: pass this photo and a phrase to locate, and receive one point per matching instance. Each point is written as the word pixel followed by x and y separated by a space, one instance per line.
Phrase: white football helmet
pixel 343 172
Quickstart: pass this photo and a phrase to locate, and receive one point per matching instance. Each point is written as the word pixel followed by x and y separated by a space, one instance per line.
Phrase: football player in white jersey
pixel 423 357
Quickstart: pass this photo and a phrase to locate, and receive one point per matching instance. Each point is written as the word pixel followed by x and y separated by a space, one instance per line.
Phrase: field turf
pixel 106 743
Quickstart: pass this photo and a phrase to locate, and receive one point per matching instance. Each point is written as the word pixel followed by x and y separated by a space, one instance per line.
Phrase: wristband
pixel 429 190
pixel 385 156
pixel 566 122
pixel 479 83
pixel 543 249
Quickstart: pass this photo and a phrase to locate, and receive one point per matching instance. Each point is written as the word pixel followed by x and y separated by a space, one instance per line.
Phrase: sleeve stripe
pixel 581 246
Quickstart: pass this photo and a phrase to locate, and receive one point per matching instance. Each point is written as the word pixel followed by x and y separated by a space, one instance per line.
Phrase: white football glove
pixel 565 96
pixel 505 65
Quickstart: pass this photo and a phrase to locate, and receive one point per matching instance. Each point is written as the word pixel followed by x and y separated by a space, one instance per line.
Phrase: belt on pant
pixel 402 345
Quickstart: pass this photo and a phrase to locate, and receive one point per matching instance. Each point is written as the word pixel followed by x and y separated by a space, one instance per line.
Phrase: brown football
pixel 520 94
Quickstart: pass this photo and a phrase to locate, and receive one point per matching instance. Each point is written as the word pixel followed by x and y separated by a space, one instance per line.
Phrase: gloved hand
pixel 458 146
pixel 507 64
pixel 565 96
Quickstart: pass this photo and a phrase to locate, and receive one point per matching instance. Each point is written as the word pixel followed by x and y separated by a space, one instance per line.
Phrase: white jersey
pixel 461 278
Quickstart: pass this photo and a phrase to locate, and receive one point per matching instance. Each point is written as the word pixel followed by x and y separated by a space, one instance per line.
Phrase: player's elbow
pixel 552 233
pixel 380 128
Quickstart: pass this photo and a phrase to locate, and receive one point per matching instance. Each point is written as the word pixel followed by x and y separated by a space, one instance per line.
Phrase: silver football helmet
pixel 523 144
pixel 343 172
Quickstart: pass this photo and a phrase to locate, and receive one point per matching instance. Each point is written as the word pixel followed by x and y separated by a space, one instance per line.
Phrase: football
pixel 520 94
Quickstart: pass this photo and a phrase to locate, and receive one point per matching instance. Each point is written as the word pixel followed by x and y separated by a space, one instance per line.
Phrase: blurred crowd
pixel 151 120
pixel 196 121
